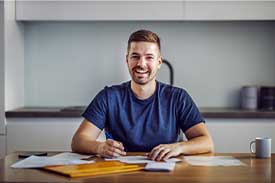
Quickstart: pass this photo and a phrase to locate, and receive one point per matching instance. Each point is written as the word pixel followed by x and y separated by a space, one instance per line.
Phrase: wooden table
pixel 256 170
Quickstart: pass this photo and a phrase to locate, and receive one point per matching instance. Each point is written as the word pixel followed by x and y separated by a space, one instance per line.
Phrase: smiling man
pixel 143 115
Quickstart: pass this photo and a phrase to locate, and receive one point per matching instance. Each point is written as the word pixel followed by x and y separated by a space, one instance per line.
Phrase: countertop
pixel 46 112
pixel 76 111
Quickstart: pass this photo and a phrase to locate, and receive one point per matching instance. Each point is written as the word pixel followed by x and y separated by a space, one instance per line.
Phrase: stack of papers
pixel 213 161
pixel 138 159
pixel 168 165
pixel 59 159
pixel 160 166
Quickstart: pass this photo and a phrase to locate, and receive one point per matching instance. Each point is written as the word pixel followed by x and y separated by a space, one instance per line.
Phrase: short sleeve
pixel 187 112
pixel 96 112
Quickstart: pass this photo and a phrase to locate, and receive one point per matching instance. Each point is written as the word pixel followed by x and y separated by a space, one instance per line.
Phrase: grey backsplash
pixel 67 63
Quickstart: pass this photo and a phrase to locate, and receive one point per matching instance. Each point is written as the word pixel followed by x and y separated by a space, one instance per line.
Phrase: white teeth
pixel 141 72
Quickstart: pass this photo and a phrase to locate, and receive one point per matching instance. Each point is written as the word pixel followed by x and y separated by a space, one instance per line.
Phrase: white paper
pixel 71 156
pixel 160 166
pixel 137 159
pixel 213 161
pixel 59 159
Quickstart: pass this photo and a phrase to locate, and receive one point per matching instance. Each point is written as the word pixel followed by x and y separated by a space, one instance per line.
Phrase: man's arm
pixel 84 141
pixel 199 141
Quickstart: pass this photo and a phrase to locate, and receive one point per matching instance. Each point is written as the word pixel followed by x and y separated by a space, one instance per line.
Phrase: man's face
pixel 143 61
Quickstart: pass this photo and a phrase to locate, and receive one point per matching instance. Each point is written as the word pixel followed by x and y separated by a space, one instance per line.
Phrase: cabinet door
pixel 2 146
pixel 98 10
pixel 229 10
pixel 2 70
pixel 41 134
pixel 234 135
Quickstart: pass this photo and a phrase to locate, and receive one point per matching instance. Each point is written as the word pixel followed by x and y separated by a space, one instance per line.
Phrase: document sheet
pixel 137 159
pixel 66 158
pixel 160 166
pixel 213 161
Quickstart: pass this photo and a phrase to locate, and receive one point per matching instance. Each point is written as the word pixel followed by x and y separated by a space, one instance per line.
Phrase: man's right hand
pixel 110 148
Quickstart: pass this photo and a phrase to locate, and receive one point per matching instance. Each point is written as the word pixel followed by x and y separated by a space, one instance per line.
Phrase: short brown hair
pixel 143 35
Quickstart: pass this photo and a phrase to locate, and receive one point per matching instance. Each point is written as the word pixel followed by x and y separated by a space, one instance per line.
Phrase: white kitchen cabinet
pixel 55 134
pixel 11 78
pixel 98 10
pixel 2 70
pixel 234 135
pixel 41 134
pixel 2 146
pixel 229 10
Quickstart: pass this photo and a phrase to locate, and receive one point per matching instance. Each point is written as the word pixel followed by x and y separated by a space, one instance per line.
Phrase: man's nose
pixel 142 61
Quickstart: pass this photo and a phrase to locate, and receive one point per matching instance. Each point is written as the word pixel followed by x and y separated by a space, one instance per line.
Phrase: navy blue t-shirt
pixel 143 124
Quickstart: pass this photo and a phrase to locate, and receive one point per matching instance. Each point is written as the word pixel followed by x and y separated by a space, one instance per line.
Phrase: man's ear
pixel 160 62
pixel 126 58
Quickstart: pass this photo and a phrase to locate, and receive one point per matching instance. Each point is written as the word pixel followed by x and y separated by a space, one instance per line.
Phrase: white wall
pixel 67 63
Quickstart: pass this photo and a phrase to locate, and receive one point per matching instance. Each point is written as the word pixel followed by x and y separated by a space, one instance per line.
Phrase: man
pixel 142 114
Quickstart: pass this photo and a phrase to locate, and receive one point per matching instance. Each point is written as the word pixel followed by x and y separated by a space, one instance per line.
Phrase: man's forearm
pixel 197 145
pixel 83 144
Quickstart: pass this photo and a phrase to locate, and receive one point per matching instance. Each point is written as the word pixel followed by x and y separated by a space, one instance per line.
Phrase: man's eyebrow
pixel 147 54
pixel 134 53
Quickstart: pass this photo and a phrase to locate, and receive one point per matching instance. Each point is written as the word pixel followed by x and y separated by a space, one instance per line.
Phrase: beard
pixel 141 75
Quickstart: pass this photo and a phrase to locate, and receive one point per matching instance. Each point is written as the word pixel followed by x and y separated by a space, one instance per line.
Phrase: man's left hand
pixel 165 151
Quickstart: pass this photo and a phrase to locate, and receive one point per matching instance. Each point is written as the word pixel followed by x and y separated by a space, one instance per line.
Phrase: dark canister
pixel 267 97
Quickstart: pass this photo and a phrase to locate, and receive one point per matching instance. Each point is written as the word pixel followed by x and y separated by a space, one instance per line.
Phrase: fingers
pixel 154 153
pixel 164 152
pixel 168 155
pixel 158 153
pixel 111 154
pixel 113 149
pixel 115 144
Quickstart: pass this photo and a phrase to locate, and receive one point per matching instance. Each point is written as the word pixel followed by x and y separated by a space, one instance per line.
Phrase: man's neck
pixel 143 91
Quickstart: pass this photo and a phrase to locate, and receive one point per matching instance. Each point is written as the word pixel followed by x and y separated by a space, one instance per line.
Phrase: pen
pixel 108 135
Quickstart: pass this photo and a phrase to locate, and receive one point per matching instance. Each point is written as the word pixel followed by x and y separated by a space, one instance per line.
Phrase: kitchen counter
pixel 76 111
pixel 46 112
pixel 222 112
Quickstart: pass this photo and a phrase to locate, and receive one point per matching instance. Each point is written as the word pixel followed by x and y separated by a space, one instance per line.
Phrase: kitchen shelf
pixel 219 112
pixel 46 112
pixel 76 111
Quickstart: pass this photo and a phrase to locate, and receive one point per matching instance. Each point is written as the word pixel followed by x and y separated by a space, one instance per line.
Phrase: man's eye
pixel 134 57
pixel 150 58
